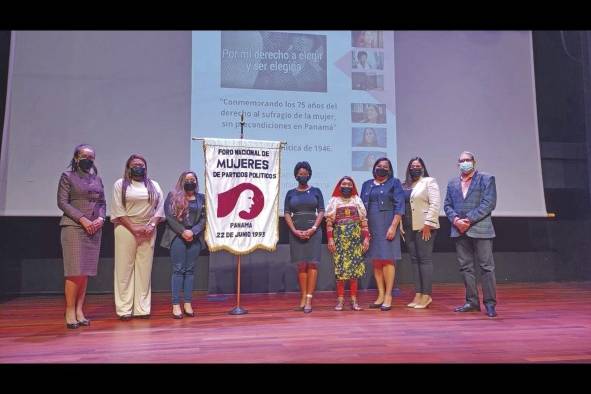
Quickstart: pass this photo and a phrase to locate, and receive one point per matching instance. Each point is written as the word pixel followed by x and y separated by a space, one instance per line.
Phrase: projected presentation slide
pixel 328 95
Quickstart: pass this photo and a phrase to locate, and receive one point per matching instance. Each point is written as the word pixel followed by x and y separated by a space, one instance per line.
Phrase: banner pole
pixel 238 310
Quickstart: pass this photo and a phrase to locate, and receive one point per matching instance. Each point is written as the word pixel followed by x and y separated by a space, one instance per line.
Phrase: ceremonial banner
pixel 242 194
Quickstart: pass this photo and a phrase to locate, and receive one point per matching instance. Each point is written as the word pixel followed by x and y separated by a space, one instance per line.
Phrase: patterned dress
pixel 80 195
pixel 346 217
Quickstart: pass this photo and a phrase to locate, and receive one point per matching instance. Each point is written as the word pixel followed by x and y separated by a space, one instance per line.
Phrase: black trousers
pixel 421 257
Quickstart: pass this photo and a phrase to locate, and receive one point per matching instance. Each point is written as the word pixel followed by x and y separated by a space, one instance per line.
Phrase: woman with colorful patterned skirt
pixel 348 238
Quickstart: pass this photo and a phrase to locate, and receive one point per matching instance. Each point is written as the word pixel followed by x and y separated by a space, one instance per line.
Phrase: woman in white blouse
pixel 138 207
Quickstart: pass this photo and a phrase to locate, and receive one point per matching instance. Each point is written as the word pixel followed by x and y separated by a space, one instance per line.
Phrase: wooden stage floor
pixel 537 323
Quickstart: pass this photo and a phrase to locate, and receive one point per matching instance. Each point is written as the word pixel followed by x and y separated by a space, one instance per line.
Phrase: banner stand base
pixel 238 311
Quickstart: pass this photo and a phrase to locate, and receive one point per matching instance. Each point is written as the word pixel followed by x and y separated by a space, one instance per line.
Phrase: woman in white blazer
pixel 420 225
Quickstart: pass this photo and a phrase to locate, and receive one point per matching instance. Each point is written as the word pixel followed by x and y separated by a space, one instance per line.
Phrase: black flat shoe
pixel 375 306
pixel 72 326
pixel 84 322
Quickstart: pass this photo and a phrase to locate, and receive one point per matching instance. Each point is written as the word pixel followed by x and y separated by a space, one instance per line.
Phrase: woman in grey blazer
pixel 420 224
pixel 81 196
pixel 185 221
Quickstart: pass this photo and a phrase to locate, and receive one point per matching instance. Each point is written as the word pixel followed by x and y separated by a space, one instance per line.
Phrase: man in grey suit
pixel 469 201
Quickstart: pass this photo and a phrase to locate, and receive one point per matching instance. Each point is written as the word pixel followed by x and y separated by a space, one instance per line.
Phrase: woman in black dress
pixel 304 210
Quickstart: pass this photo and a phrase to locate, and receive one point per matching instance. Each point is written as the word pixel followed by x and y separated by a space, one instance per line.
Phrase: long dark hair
pixel 74 165
pixel 127 178
pixel 408 178
pixel 178 203
pixel 391 174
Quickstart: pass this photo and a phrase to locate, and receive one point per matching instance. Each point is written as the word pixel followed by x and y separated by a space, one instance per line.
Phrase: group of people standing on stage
pixel 359 226
pixel 138 206
pixel 369 224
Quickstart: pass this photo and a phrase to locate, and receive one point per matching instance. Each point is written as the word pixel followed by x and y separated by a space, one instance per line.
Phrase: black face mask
pixel 346 191
pixel 85 164
pixel 415 173
pixel 190 186
pixel 381 172
pixel 303 179
pixel 138 172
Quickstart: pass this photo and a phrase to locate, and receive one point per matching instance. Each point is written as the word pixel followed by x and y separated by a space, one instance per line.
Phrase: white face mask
pixel 466 167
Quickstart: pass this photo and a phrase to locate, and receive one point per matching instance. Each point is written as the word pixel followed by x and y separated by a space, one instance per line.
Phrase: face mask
pixel 138 172
pixel 303 179
pixel 381 172
pixel 85 164
pixel 346 191
pixel 416 172
pixel 466 166
pixel 190 186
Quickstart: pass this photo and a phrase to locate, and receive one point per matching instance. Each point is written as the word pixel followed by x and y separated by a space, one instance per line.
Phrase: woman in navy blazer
pixel 185 222
pixel 383 198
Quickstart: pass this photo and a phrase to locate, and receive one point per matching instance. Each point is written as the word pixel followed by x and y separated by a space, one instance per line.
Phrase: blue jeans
pixel 183 256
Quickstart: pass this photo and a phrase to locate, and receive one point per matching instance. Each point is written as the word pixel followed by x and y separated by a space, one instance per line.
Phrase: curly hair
pixel 302 164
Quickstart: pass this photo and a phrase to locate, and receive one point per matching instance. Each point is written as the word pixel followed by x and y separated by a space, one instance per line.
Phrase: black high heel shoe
pixel 308 309
pixel 71 326
pixel 84 322
pixel 189 314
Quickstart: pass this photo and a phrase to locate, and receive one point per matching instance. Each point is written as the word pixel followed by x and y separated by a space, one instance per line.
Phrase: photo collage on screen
pixel 368 136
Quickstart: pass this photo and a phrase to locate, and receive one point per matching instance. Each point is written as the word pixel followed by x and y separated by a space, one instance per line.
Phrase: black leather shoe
pixel 84 322
pixel 490 311
pixel 467 308
pixel 375 306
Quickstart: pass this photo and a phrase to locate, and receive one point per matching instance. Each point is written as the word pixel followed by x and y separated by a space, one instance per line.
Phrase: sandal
pixel 355 306
pixel 340 304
